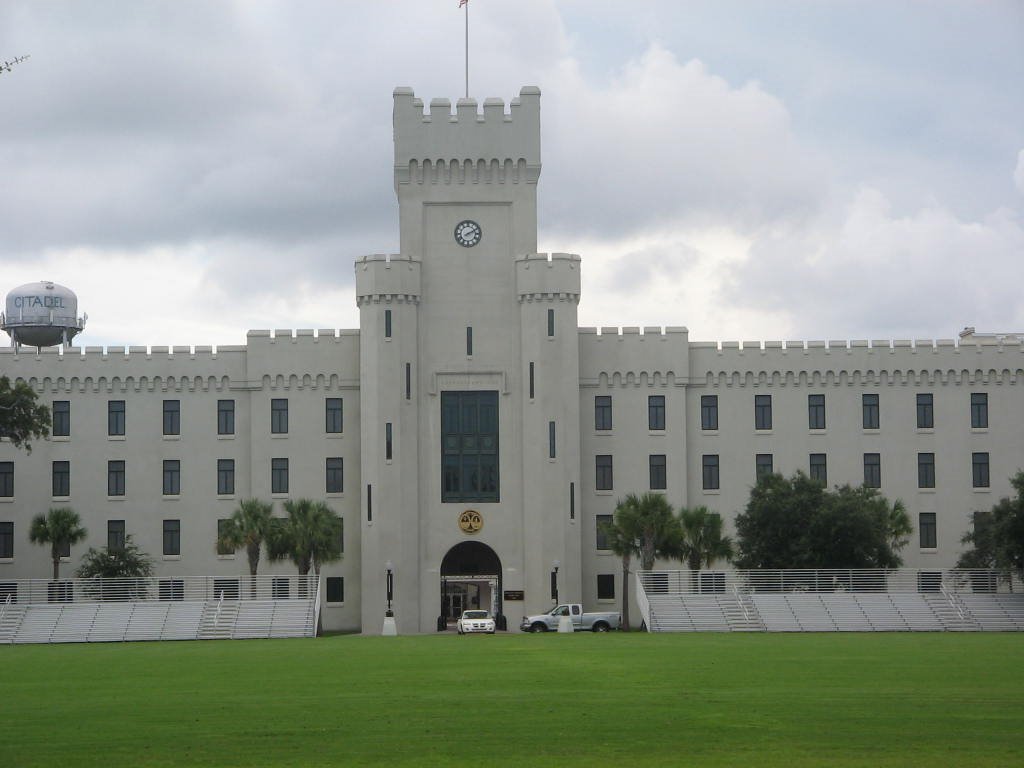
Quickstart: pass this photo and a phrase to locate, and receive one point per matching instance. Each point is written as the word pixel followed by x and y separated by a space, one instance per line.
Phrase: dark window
pixel 819 467
pixel 6 479
pixel 115 478
pixel 709 412
pixel 572 501
pixel 815 411
pixel 979 469
pixel 389 450
pixel 531 381
pixel 656 412
pixel 469 446
pixel 172 417
pixel 171 589
pixel 115 417
pixel 387 323
pixel 279 588
pixel 172 477
pixel 926 470
pixel 279 416
pixel 979 410
pixel 659 479
pixel 225 588
pixel 369 503
pixel 222 528
pixel 469 340
pixel 115 534
pixel 551 440
pixel 551 322
pixel 225 477
pixel 925 412
pixel 62 478
pixel 65 549
pixel 873 470
pixel 225 417
pixel 763 465
pixel 927 530
pixel 172 537
pixel 334 412
pixel 709 471
pixel 762 411
pixel 335 475
pixel 869 409
pixel 335 589
pixel 603 479
pixel 603 521
pixel 279 475
pixel 61 418
pixel 341 535
pixel 606 586
pixel 602 412
pixel 408 381
pixel 6 539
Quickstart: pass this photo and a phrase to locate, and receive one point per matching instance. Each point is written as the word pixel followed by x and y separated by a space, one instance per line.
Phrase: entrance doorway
pixel 470 578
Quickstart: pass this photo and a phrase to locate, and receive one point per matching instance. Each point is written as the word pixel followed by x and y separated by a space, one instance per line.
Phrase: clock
pixel 468 233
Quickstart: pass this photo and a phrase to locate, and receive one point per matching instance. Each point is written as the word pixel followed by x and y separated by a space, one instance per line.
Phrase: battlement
pixel 467 146
pixel 548 275
pixel 387 276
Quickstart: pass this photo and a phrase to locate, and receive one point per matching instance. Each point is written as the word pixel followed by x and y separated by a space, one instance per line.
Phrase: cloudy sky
pixel 752 170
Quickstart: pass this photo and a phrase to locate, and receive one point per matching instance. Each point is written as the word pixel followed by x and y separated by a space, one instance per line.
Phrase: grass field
pixel 552 700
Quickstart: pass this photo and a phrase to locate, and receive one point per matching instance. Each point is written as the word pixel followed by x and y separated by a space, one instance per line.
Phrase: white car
pixel 475 621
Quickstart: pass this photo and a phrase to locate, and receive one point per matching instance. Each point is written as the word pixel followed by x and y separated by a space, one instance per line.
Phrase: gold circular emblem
pixel 471 521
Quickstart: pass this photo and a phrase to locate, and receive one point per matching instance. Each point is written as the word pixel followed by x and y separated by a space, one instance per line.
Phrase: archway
pixel 470 578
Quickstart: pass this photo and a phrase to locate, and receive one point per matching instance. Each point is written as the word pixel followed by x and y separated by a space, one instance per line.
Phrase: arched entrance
pixel 470 578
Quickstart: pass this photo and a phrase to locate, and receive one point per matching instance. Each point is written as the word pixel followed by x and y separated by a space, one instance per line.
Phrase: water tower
pixel 41 314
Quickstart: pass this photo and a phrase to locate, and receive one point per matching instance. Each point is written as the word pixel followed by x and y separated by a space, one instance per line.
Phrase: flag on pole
pixel 463 2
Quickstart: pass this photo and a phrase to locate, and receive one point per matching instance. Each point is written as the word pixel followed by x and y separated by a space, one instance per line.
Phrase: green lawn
pixel 552 700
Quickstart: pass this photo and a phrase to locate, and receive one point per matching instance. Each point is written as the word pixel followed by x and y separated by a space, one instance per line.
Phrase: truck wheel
pixel 538 626
pixel 600 626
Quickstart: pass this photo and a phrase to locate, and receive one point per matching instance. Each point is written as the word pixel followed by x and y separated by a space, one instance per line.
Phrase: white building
pixel 470 433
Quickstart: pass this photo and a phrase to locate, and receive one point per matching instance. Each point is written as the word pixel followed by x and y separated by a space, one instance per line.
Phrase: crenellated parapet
pixel 388 278
pixel 634 357
pixel 857 363
pixel 548 277
pixel 467 146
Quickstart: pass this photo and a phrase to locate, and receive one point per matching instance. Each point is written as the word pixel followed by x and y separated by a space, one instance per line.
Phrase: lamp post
pixel 390 586
pixel 554 581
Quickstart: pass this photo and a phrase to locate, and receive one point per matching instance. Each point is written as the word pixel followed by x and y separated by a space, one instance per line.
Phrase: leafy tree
pixel 997 535
pixel 247 527
pixel 21 418
pixel 702 539
pixel 310 536
pixel 129 565
pixel 798 523
pixel 60 528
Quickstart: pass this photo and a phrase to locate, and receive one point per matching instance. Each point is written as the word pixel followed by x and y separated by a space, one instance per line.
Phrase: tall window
pixel 335 589
pixel 172 417
pixel 469 446
pixel 926 527
pixel 389 447
pixel 115 417
pixel 335 475
pixel 656 412
pixel 6 540
pixel 763 465
pixel 979 410
pixel 709 471
pixel 334 414
pixel 606 586
pixel 225 417
pixel 658 474
pixel 61 478
pixel 6 479
pixel 819 467
pixel 551 322
pixel 115 534
pixel 926 470
pixel 979 469
pixel 279 416
pixel 602 412
pixel 172 477
pixel 387 323
pixel 925 411
pixel 551 440
pixel 532 379
pixel 603 479
pixel 61 418
pixel 762 411
pixel 115 478
pixel 225 477
pixel 873 470
pixel 279 475
pixel 603 521
pixel 869 409
pixel 815 411
pixel 172 537
pixel 709 412
pixel 469 340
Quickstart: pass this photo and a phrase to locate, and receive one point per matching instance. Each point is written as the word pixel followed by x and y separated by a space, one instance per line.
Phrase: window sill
pixel 116 498
pixel 340 495
pixel 603 432
pixel 926 490
pixel 656 432
pixel 6 499
pixel 926 430
pixel 979 430
pixel 817 431
pixel 711 491
pixel 602 492
pixel 171 437
pixel 60 438
pixel 763 431
pixel 171 558
pixel 341 604
pixel 606 600
pixel 225 496
pixel 279 495
pixel 334 435
pixel 226 557
pixel 929 550
pixel 872 431
pixel 171 496
pixel 552 460
pixel 115 437
pixel 60 498
pixel 6 559
pixel 981 490
pixel 605 552
pixel 225 437
pixel 278 435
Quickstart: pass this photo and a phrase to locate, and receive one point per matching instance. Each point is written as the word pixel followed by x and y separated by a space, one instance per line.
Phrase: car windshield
pixel 474 614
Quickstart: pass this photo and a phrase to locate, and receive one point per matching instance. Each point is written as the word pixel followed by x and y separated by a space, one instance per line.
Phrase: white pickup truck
pixel 548 622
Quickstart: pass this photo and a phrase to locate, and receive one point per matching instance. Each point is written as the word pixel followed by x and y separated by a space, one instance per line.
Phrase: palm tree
pixel 247 527
pixel 60 528
pixel 660 535
pixel 703 542
pixel 622 535
pixel 310 536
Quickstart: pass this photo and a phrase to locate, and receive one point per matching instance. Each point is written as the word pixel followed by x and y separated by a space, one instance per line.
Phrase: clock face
pixel 468 233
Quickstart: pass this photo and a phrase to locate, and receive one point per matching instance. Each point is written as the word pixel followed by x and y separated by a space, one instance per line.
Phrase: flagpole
pixel 467 48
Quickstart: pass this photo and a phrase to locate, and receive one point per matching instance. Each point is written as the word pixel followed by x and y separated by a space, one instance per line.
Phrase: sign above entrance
pixel 514 594
pixel 471 521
